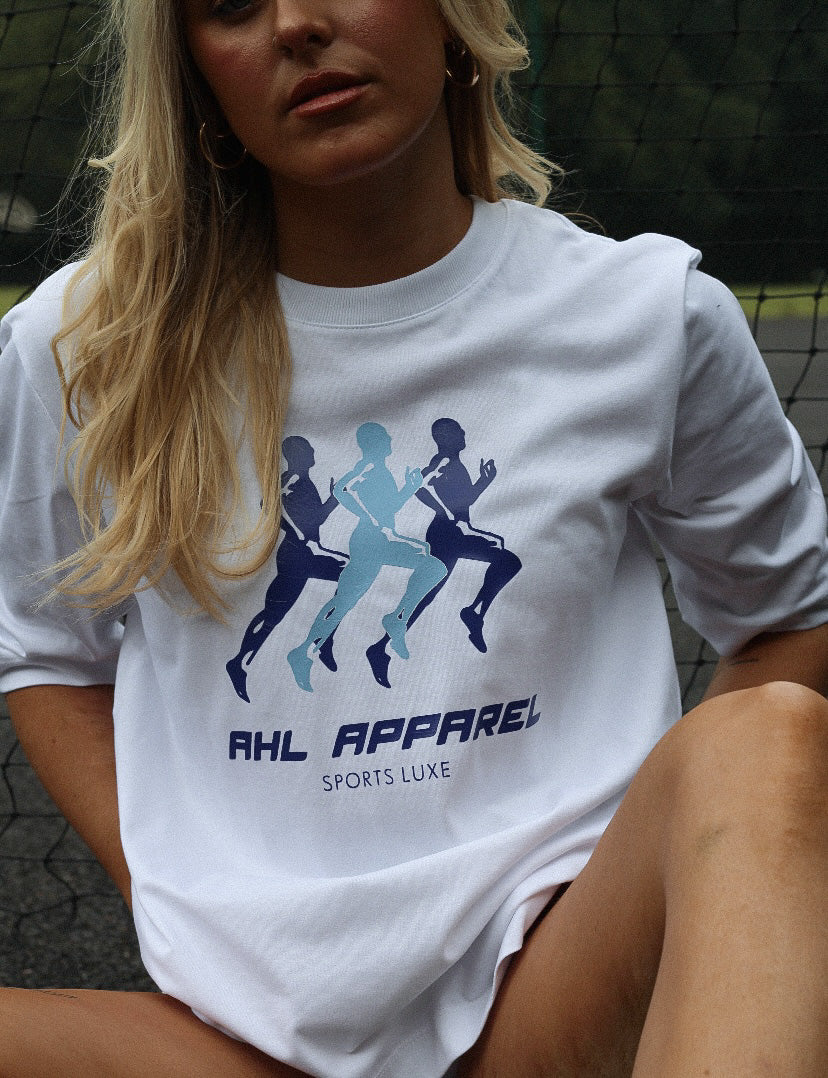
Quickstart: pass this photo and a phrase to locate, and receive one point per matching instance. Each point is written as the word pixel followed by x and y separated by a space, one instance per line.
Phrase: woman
pixel 362 879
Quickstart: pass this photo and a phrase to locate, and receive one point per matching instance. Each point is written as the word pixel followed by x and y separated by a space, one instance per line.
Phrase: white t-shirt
pixel 336 869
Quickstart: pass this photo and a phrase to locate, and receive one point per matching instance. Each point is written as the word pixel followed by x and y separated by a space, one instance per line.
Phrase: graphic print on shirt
pixel 370 492
pixel 299 558
pixel 451 536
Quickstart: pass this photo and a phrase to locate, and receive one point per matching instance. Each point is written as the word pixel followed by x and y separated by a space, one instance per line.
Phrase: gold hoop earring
pixel 208 157
pixel 461 66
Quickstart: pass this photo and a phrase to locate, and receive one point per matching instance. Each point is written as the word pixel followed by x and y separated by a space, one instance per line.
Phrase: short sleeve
pixel 741 520
pixel 55 643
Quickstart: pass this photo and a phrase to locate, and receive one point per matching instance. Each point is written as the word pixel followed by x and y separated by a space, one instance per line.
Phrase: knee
pixel 437 569
pixel 759 753
pixel 786 736
pixel 507 561
pixel 797 713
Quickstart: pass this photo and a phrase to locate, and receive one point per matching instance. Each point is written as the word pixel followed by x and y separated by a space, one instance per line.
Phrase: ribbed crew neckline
pixel 405 297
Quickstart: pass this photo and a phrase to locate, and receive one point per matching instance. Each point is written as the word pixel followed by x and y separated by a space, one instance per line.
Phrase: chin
pixel 347 171
pixel 348 162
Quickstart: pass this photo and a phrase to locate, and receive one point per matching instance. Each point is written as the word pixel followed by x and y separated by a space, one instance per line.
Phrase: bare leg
pixel 694 942
pixel 378 656
pixel 354 582
pixel 428 572
pixel 503 566
pixel 118 1035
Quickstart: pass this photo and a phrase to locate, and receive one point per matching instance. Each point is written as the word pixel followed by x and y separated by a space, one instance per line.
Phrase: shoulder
pixel 40 315
pixel 592 269
pixel 712 309
pixel 613 298
pixel 576 240
pixel 27 332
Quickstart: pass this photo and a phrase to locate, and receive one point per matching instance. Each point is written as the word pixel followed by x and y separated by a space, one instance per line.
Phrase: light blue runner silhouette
pixel 370 492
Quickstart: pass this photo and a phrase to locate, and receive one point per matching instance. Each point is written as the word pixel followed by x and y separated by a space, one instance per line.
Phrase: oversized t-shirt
pixel 342 809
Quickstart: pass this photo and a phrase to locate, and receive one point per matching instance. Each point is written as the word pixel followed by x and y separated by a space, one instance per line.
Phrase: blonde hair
pixel 174 342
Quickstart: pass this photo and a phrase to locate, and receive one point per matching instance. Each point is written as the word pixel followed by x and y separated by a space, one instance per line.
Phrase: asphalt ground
pixel 61 921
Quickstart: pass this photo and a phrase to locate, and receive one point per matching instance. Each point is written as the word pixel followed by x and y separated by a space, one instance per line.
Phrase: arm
pixel 289 522
pixel 432 499
pixel 413 482
pixel 65 731
pixel 488 471
pixel 741 519
pixel 800 657
pixel 328 506
pixel 347 497
pixel 67 735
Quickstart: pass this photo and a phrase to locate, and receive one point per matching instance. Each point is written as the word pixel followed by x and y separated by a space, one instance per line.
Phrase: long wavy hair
pixel 174 345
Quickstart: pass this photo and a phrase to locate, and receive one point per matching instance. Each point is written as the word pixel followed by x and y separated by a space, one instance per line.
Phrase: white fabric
pixel 349 905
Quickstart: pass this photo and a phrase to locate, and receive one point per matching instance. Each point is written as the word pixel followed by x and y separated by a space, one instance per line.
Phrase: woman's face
pixel 324 91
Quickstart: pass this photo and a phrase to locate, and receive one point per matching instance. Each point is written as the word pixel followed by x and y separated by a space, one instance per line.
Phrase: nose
pixel 300 27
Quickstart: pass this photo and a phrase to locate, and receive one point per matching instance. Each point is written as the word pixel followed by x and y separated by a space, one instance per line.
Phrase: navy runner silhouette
pixel 451 536
pixel 300 558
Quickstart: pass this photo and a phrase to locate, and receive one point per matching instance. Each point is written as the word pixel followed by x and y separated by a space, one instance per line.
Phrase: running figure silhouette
pixel 451 536
pixel 300 558
pixel 370 492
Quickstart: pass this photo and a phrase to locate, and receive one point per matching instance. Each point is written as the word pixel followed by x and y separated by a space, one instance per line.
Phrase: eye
pixel 227 9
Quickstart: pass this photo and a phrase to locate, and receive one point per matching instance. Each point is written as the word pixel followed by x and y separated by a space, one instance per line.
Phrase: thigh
pixel 88 1034
pixel 575 998
pixel 480 548
pixel 325 567
pixel 727 814
pixel 407 553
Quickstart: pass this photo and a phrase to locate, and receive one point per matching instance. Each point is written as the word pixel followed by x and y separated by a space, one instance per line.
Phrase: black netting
pixel 704 119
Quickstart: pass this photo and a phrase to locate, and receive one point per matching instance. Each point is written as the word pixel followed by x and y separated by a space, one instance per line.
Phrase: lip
pixel 324 90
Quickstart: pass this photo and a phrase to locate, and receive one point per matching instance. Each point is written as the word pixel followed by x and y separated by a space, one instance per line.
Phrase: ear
pixel 448 33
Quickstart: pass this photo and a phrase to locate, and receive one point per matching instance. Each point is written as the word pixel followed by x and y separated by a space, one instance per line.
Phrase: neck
pixel 372 229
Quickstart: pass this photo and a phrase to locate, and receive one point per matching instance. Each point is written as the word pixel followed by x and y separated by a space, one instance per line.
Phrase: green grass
pixel 778 301
pixel 10 294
